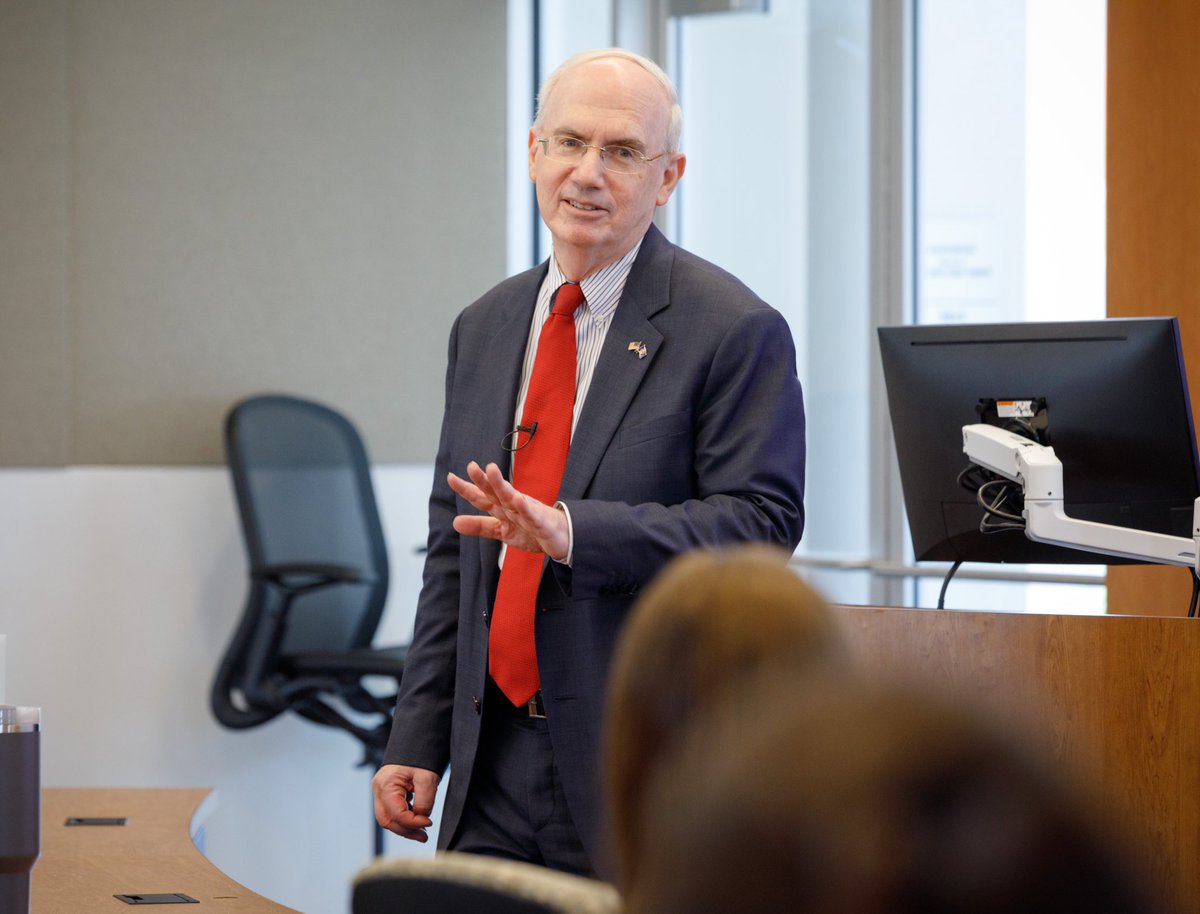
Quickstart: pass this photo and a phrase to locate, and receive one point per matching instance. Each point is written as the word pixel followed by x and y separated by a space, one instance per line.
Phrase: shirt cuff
pixel 570 535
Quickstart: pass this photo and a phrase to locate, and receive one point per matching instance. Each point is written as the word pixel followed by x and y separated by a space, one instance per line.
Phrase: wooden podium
pixel 1114 700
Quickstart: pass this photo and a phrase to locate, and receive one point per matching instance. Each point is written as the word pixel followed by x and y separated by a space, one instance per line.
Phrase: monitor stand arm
pixel 1040 474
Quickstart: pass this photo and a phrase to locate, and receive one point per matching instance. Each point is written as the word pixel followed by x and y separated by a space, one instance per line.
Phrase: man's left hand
pixel 516 519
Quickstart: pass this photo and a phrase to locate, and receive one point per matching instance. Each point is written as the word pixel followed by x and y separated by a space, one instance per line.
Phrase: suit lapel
pixel 500 357
pixel 503 355
pixel 620 371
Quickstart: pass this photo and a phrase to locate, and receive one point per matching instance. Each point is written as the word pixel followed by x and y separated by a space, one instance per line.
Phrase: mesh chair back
pixel 303 484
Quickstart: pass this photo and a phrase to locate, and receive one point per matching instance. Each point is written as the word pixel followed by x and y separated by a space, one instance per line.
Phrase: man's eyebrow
pixel 632 143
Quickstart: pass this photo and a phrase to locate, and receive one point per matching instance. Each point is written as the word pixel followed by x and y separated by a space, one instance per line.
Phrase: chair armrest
pixel 307 575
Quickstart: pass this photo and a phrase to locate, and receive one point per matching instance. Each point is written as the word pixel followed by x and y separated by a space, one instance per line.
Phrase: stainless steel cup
pixel 20 804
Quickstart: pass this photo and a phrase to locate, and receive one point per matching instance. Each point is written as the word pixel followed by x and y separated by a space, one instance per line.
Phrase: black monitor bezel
pixel 1118 389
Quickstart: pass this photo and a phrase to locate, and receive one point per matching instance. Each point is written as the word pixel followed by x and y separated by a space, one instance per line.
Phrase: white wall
pixel 121 588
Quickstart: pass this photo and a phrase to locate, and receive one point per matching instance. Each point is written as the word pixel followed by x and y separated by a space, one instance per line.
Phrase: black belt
pixel 497 700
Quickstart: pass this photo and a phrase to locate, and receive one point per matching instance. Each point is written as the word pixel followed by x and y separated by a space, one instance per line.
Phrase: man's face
pixel 597 215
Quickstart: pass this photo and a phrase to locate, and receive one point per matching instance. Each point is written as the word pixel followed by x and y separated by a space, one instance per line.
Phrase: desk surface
pixel 82 867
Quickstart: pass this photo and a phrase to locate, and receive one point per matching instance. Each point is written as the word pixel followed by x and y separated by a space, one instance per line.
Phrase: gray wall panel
pixel 273 195
pixel 34 274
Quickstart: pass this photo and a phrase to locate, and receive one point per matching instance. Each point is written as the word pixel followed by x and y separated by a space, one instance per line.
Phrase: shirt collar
pixel 602 289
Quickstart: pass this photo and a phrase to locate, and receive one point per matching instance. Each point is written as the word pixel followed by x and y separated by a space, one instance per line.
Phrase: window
pixel 997 166
pixel 1009 201
pixel 776 127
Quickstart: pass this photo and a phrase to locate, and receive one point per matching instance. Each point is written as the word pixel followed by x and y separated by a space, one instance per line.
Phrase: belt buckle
pixel 535 707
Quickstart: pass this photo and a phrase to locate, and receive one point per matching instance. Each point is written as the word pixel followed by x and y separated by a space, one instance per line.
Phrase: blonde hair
pixel 674 112
pixel 707 621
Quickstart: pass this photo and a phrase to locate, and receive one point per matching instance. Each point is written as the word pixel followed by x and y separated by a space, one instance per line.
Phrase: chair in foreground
pixel 451 883
pixel 318 576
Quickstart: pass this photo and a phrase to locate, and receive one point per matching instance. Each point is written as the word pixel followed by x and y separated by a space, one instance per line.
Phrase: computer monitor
pixel 1116 411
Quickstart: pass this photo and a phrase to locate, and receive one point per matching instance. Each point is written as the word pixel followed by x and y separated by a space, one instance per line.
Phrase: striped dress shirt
pixel 601 292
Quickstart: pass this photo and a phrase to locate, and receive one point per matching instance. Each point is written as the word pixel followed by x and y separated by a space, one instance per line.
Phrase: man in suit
pixel 687 430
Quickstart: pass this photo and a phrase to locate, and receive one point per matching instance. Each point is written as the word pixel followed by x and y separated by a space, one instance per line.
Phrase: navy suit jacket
pixel 698 443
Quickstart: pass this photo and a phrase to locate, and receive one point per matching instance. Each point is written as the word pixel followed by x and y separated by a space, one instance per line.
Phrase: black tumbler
pixel 20 805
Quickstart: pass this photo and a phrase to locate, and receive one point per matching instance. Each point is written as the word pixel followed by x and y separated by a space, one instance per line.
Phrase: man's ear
pixel 532 155
pixel 671 175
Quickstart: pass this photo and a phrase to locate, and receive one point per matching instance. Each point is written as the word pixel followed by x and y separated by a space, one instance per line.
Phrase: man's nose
pixel 591 164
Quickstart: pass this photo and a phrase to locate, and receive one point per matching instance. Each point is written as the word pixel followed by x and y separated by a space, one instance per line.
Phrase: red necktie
pixel 537 471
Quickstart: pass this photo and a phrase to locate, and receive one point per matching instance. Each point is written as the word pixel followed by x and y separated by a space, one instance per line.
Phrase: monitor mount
pixel 1034 466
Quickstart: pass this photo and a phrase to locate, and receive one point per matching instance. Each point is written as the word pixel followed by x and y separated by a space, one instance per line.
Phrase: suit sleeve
pixel 420 733
pixel 747 469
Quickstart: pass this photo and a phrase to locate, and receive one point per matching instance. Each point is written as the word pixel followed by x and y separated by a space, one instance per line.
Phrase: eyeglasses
pixel 624 160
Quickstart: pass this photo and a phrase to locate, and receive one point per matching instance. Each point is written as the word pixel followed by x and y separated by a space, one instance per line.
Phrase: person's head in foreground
pixel 848 799
pixel 709 619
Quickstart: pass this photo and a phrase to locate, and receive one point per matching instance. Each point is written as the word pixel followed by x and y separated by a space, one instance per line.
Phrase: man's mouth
pixel 586 207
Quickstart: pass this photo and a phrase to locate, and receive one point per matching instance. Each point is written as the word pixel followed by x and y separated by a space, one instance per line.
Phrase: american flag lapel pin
pixel 639 347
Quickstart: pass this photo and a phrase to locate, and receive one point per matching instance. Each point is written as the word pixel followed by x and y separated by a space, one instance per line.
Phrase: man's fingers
pixel 480 489
pixel 464 488
pixel 394 786
pixel 478 525
pixel 483 480
pixel 500 487
pixel 408 821
pixel 472 494
pixel 411 827
pixel 424 792
pixel 516 506
pixel 403 822
pixel 508 515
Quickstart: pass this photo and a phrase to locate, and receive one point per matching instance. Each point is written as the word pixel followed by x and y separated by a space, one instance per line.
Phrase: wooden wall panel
pixel 1154 209
pixel 1110 702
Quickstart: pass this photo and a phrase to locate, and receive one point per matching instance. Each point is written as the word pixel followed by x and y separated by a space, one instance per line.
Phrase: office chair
pixel 452 882
pixel 318 576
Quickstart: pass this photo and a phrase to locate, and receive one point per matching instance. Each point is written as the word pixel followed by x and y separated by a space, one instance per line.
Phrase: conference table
pixel 84 866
